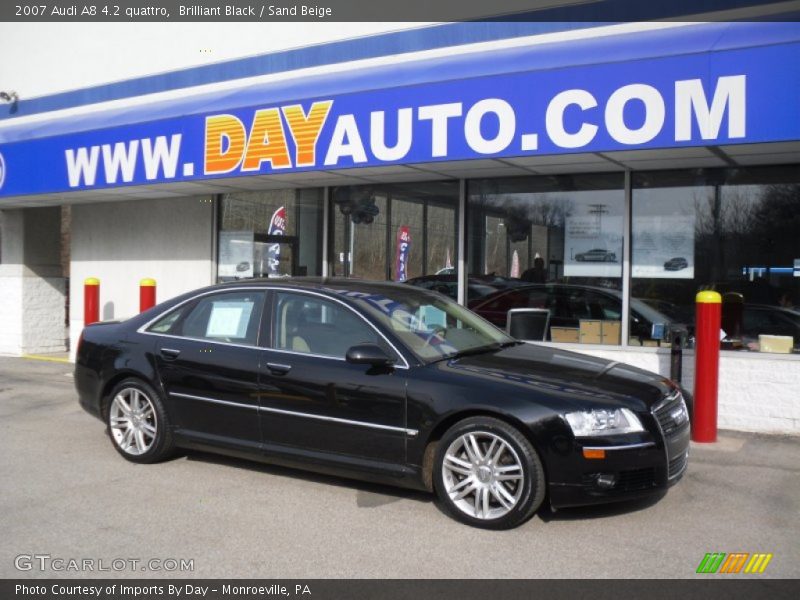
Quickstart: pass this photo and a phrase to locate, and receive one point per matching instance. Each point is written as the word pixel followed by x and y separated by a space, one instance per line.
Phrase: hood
pixel 570 377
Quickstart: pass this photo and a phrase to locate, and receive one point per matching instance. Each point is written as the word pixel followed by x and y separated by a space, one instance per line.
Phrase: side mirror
pixel 368 354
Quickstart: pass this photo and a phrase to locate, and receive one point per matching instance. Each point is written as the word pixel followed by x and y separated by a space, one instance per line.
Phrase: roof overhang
pixel 696 95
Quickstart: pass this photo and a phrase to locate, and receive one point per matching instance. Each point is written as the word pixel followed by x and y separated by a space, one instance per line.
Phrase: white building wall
pixel 31 282
pixel 43 316
pixel 10 309
pixel 757 392
pixel 170 240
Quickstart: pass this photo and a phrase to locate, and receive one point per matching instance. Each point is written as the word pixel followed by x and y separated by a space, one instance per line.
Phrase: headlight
pixel 603 422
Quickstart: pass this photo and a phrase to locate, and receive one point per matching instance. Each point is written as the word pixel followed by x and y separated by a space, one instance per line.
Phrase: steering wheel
pixel 437 330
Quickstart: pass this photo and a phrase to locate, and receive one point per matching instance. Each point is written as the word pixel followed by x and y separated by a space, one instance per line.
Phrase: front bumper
pixel 633 469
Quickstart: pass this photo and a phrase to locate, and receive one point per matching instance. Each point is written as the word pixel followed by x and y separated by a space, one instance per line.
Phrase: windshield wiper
pixel 511 343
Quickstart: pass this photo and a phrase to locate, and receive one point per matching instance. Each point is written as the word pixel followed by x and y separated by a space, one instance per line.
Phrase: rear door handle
pixel 170 353
pixel 278 368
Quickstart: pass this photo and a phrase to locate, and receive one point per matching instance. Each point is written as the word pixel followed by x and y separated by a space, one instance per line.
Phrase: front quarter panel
pixel 438 396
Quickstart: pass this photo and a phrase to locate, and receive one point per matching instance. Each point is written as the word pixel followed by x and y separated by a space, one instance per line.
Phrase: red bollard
pixel 706 366
pixel 147 294
pixel 91 300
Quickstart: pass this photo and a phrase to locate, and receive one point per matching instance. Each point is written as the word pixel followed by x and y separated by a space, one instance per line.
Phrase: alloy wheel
pixel 132 419
pixel 483 475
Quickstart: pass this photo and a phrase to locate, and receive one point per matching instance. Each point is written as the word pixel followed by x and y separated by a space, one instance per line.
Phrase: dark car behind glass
pixel 477 285
pixel 569 304
pixel 761 319
pixel 387 383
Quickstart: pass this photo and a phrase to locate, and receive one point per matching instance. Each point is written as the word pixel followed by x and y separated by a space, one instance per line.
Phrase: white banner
pixel 663 246
pixel 593 246
pixel 236 254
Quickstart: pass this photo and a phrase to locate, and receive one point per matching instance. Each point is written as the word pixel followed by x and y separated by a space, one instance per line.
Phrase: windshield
pixel 430 325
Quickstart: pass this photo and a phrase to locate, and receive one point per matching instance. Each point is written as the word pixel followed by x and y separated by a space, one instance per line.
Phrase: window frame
pixel 270 326
pixel 191 303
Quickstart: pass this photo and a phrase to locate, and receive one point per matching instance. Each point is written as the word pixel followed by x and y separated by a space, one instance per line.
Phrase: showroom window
pixel 730 230
pixel 395 232
pixel 273 233
pixel 548 248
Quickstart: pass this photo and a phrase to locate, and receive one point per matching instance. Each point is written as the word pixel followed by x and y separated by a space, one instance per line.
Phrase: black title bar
pixel 396 11
pixel 705 587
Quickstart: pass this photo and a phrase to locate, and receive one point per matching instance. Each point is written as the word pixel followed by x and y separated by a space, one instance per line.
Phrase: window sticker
pixel 229 319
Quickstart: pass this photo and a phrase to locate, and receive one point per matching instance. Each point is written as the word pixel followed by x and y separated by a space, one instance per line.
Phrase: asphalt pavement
pixel 67 494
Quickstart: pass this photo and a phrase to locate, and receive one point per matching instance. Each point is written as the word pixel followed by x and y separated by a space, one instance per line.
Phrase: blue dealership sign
pixel 734 96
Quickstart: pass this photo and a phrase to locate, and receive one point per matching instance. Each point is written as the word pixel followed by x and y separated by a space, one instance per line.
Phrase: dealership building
pixel 616 169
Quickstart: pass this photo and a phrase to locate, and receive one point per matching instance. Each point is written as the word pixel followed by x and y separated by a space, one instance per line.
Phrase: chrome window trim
pixel 203 340
pixel 410 432
pixel 296 353
pixel 143 329
pixel 623 447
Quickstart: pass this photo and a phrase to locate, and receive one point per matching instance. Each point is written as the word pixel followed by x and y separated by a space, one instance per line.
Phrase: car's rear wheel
pixel 137 422
pixel 487 474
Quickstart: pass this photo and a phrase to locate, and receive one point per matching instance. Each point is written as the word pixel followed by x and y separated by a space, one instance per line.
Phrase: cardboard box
pixel 568 335
pixel 779 344
pixel 612 332
pixel 591 331
pixel 650 343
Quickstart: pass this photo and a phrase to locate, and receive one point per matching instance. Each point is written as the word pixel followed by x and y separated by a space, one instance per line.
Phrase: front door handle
pixel 170 353
pixel 278 368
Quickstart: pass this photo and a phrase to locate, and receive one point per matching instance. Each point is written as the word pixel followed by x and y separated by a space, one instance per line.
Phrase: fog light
pixel 605 481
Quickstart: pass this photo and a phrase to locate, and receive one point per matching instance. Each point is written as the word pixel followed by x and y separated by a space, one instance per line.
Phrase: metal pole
pixel 462 242
pixel 326 220
pixel 626 261
pixel 706 369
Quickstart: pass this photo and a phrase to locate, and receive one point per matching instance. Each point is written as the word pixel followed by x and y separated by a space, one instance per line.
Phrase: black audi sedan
pixel 387 383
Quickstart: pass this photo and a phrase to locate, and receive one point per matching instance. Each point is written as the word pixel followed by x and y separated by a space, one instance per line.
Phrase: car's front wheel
pixel 487 474
pixel 137 422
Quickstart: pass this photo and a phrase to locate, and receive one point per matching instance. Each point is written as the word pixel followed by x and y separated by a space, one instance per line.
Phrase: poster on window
pixel 402 251
pixel 277 226
pixel 593 240
pixel 663 246
pixel 229 319
pixel 235 254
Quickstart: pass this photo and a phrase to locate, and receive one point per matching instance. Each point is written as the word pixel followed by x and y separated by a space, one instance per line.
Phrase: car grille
pixel 637 479
pixel 677 465
pixel 672 414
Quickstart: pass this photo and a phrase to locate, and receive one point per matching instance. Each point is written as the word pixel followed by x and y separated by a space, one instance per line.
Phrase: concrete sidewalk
pixel 68 494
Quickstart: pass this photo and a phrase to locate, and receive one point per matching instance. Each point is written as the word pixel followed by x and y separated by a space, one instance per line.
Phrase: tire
pixel 137 423
pixel 473 489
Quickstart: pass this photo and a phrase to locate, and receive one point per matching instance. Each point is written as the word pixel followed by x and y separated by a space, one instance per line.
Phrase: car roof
pixel 316 283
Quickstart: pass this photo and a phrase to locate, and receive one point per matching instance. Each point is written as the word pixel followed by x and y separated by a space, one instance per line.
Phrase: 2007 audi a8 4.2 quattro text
pixel 387 383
